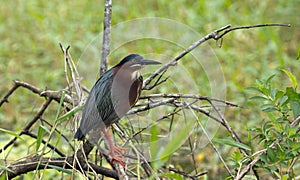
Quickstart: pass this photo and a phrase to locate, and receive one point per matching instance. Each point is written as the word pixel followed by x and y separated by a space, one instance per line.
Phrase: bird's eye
pixel 133 61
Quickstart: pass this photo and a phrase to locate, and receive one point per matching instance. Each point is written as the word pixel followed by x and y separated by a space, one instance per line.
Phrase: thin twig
pixel 10 92
pixel 44 142
pixel 227 30
pixel 213 35
pixel 29 125
pixel 184 174
pixel 192 96
pixel 55 95
pixel 211 143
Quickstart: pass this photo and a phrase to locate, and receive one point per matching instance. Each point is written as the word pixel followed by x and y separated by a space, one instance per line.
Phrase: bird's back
pixel 98 110
pixel 110 99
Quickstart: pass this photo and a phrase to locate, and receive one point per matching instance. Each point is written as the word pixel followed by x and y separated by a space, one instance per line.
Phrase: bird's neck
pixel 126 74
pixel 135 75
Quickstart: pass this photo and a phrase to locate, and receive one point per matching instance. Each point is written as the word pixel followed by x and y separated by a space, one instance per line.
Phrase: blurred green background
pixel 31 30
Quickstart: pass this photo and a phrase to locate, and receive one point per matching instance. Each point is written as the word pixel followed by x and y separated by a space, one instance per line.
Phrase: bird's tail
pixel 79 135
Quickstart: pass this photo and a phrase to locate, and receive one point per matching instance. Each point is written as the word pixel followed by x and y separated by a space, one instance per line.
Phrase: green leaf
pixel 271 155
pixel 231 142
pixel 176 140
pixel 295 106
pixel 70 113
pixel 273 93
pixel 60 103
pixel 39 138
pixel 254 89
pixel 154 147
pixel 283 100
pixel 268 108
pixel 291 93
pixel 11 133
pixel 258 98
pixel 267 82
pixel 6 168
pixel 172 176
pixel 267 126
pixel 60 169
pixel 45 128
pixel 291 77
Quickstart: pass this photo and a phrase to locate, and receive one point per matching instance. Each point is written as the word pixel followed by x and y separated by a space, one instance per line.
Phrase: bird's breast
pixel 126 89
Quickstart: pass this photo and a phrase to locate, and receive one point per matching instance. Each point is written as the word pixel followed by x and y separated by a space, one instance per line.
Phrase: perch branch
pixel 192 96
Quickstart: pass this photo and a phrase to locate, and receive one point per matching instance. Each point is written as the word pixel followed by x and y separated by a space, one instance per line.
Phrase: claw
pixel 116 154
pixel 117 159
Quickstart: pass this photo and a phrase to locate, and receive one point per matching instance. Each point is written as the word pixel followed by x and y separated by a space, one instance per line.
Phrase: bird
pixel 111 97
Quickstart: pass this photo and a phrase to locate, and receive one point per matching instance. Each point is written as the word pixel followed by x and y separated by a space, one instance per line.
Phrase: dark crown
pixel 129 58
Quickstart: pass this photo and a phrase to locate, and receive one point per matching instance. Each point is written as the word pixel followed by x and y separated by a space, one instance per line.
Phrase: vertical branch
pixel 106 35
pixel 104 60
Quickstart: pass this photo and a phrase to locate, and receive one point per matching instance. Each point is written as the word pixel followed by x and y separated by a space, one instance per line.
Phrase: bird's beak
pixel 149 62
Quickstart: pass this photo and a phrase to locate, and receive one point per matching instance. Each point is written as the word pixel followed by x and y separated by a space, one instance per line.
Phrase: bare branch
pixel 38 162
pixel 228 29
pixel 106 35
pixel 213 35
pixel 192 96
pixel 29 125
pixel 10 92
pixel 55 95
pixel 184 174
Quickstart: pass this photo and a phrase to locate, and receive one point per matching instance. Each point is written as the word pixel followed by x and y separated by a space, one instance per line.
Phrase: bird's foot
pixel 117 159
pixel 116 154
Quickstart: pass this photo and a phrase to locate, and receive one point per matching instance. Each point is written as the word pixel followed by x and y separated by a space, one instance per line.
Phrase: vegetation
pixel 256 68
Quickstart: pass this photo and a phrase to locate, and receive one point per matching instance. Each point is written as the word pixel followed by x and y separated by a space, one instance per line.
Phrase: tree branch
pixel 29 125
pixel 38 162
pixel 106 35
pixel 216 35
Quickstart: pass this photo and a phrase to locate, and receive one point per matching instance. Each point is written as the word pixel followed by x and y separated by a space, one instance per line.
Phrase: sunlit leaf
pixel 39 138
pixel 60 103
pixel 273 93
pixel 291 77
pixel 70 113
pixel 172 176
pixel 11 133
pixel 231 142
pixel 295 106
pixel 6 168
pixel 268 108
pixel 283 100
pixel 45 128
pixel 271 155
pixel 253 89
pixel 60 169
pixel 258 98
pixel 154 148
pixel 177 140
pixel 269 79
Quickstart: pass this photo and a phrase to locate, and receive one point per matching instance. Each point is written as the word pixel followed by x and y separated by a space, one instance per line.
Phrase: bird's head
pixel 135 62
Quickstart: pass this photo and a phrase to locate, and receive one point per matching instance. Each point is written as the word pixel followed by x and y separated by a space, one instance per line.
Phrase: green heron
pixel 112 96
